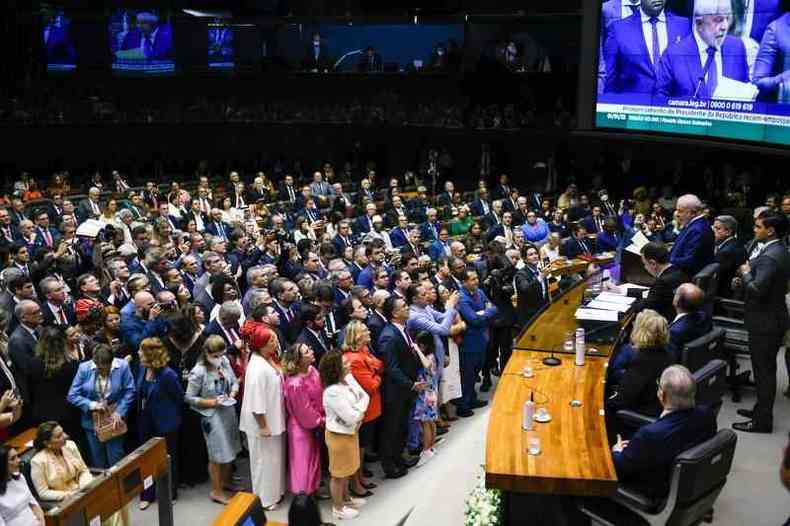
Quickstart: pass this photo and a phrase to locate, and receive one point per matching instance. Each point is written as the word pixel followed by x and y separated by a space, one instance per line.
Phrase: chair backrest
pixel 708 280
pixel 698 477
pixel 696 354
pixel 711 383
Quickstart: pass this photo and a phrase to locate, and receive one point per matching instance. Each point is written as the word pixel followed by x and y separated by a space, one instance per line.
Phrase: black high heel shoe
pixel 367 493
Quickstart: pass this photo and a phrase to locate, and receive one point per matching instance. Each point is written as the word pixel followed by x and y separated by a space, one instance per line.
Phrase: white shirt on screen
pixel 703 55
pixel 647 31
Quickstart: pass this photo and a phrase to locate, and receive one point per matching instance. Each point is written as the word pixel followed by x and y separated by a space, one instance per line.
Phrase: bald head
pixel 143 301
pixel 688 298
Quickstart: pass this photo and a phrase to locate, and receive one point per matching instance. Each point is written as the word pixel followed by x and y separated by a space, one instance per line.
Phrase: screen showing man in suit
pixel 703 67
pixel 141 41
pixel 56 40
pixel 220 46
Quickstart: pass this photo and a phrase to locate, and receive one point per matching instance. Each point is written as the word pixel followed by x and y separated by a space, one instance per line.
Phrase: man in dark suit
pixel 691 321
pixel 364 223
pixel 316 55
pixel 595 222
pixel 21 348
pixel 429 230
pixel 226 325
pixel 55 310
pixel 481 206
pixel 693 248
pixel 634 45
pixel 728 252
pixel 502 189
pixel 692 67
pixel 217 227
pixel 647 459
pixel 8 233
pixel 284 295
pixel 399 387
pixel 370 62
pixel 46 236
pixel 614 10
pixel 763 279
pixel 154 40
pixel 313 334
pixel 661 295
pixel 58 47
pixel 412 246
pixel 90 208
pixel 772 66
pixel 288 191
pixel 578 244
pixel 532 289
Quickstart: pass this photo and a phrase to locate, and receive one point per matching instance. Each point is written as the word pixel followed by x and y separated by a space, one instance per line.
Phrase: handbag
pixel 106 426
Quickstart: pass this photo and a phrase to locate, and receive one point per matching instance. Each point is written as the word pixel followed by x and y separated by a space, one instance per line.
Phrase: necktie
pixel 148 48
pixel 409 341
pixel 291 194
pixel 583 246
pixel 220 230
pixel 656 49
pixel 47 238
pixel 233 335
pixel 63 320
pixel 709 71
pixel 95 208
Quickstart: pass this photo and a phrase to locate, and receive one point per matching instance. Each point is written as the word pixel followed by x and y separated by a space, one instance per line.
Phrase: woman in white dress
pixel 263 415
pixel 18 507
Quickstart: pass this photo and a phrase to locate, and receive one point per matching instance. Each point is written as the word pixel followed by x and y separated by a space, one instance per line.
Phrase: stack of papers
pixel 605 305
pixel 583 313
pixel 637 242
pixel 612 297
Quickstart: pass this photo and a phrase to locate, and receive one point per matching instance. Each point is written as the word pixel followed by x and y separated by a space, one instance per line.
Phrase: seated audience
pixel 691 321
pixel 18 507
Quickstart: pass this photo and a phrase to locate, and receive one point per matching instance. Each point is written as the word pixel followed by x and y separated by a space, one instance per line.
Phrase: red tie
pixel 48 238
pixel 63 319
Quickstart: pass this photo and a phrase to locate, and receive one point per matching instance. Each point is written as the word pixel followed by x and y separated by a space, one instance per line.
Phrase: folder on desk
pixel 611 297
pixel 610 306
pixel 600 325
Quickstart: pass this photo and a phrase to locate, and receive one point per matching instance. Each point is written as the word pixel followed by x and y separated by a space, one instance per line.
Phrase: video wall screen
pixel 221 46
pixel 59 51
pixel 718 68
pixel 370 48
pixel 141 41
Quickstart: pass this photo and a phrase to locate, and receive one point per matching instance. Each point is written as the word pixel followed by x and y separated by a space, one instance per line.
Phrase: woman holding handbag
pixel 160 396
pixel 103 390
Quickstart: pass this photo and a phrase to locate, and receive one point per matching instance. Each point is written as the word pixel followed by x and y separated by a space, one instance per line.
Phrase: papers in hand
pixel 637 242
pixel 583 313
pixel 731 89
pixel 90 228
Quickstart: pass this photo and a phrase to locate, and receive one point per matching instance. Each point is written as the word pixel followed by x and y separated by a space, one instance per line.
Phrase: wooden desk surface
pixel 23 441
pixel 575 457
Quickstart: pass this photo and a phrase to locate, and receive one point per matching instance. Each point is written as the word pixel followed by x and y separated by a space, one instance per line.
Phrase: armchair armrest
pixel 634 419
pixel 633 500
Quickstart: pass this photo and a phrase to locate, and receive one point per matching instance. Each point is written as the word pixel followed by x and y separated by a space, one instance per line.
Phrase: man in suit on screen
pixel 772 66
pixel 694 67
pixel 154 40
pixel 634 46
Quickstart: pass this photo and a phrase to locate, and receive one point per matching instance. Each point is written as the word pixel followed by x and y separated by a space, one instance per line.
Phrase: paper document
pixel 611 297
pixel 90 228
pixel 596 314
pixel 637 242
pixel 731 89
pixel 605 305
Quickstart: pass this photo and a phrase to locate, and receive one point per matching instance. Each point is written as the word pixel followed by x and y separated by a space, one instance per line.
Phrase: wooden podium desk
pixel 576 456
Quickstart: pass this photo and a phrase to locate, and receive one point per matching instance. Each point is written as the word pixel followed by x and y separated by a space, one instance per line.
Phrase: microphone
pixel 700 81
pixel 552 361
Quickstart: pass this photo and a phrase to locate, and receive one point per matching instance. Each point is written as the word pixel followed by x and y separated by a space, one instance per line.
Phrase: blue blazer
pixel 680 67
pixel 39 242
pixel 693 248
pixel 160 412
pixel 647 461
pixel 606 242
pixel 627 58
pixel 211 228
pixel 398 237
pixel 162 46
pixel 427 233
pixel 477 325
pixel 773 56
pixel 83 389
pixel 437 250
pixel 688 328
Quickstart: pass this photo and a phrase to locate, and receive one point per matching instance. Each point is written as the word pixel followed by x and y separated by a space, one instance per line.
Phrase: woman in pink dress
pixel 305 406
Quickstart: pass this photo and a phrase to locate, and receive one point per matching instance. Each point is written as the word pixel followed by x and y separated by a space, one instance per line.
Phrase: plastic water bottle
pixel 580 346
pixel 529 412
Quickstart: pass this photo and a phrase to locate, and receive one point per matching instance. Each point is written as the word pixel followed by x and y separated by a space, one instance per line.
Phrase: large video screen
pixel 141 41
pixel 57 40
pixel 221 46
pixel 718 68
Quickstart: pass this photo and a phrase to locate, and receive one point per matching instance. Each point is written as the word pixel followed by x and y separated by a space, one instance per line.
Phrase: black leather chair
pixel 708 280
pixel 698 476
pixel 728 315
pixel 696 354
pixel 711 382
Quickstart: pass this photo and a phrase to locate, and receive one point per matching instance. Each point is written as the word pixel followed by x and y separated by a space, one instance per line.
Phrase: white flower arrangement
pixel 483 507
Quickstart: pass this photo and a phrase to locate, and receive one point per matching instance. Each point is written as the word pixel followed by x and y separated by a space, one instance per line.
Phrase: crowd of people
pixel 320 327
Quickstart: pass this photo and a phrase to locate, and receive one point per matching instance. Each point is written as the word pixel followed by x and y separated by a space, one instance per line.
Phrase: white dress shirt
pixel 703 55
pixel 661 28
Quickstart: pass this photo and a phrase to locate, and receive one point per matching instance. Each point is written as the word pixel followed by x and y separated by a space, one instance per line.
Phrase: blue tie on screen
pixel 710 71
pixel 656 48
pixel 148 50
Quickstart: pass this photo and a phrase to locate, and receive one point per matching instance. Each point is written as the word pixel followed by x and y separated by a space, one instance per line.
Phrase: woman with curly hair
pixel 52 372
pixel 159 397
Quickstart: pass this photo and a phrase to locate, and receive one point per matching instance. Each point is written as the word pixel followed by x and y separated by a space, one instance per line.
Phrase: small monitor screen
pixel 141 41
pixel 57 40
pixel 221 46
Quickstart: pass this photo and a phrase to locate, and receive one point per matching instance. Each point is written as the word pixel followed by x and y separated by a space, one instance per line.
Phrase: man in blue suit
pixel 693 67
pixel 154 40
pixel 478 313
pixel 772 66
pixel 634 46
pixel 693 248
pixel 646 460
pixel 58 47
pixel 691 321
